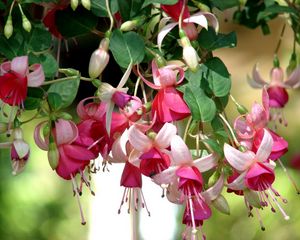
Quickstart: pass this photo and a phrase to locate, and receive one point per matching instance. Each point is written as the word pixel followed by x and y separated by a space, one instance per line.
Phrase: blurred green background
pixel 38 205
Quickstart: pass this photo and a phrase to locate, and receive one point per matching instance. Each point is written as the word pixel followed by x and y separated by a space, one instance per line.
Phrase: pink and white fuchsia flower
pixel 186 183
pixel 256 172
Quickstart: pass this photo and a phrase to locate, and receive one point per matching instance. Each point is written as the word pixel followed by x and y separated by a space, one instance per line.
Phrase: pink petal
pixel 173 193
pixel 239 183
pixel 212 20
pixel 163 32
pixel 293 80
pixel 277 76
pixel 150 84
pixel 199 19
pixel 258 116
pixel 131 176
pixel 189 177
pixel 37 77
pixel 238 160
pixel 134 157
pixel 213 192
pixel 20 65
pixel 165 135
pixel 139 140
pixel 265 147
pixel 78 153
pixel 243 129
pixel 41 142
pixel 280 146
pixel 155 73
pixel 65 132
pixel 180 152
pixel 256 81
pixel 265 102
pixel 118 156
pixel 5 67
pixel 165 177
pixel 206 163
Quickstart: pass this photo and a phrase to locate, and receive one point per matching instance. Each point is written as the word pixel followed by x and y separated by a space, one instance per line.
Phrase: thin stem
pixel 60 80
pixel 230 130
pixel 11 7
pixel 181 14
pixel 280 39
pixel 136 86
pixel 187 129
pixel 110 15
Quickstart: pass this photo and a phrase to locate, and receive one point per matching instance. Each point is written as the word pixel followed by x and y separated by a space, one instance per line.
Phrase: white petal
pixel 213 192
pixel 212 20
pixel 294 79
pixel 206 163
pixel 265 147
pixel 238 160
pixel 22 148
pixel 20 65
pixel 165 135
pixel 199 19
pixel 139 140
pixel 163 32
pixel 165 177
pixel 256 81
pixel 134 157
pixel 238 183
pixel 118 155
pixel 125 76
pixel 109 110
pixel 180 152
pixel 37 77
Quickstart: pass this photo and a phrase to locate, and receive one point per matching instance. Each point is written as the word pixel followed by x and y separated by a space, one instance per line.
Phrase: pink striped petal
pixel 163 32
pixel 243 129
pixel 150 84
pixel 238 183
pixel 20 65
pixel 199 19
pixel 238 160
pixel 213 21
pixel 134 157
pixel 155 73
pixel 43 143
pixel 293 80
pixel 37 76
pixel 139 140
pixel 213 192
pixel 165 135
pixel 265 148
pixel 180 152
pixel 256 81
pixel 165 177
pixel 65 132
pixel 206 163
pixel 118 155
pixel 5 67
pixel 266 102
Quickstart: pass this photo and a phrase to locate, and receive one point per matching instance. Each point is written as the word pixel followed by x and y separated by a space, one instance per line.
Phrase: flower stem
pixel 230 130
pixel 109 15
pixel 66 79
pixel 181 14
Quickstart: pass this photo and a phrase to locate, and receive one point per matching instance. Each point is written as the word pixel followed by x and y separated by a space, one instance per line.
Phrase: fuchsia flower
pixel 250 129
pixel 256 171
pixel 277 87
pixel 15 77
pixel 151 154
pixel 200 18
pixel 168 103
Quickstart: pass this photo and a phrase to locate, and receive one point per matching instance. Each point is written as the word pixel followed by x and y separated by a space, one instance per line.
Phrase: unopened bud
pixel 8 29
pixel 147 106
pixel 65 116
pixel 69 72
pixel 221 204
pixel 26 23
pixel 99 59
pixel 128 26
pixel 292 64
pixel 213 179
pixel 53 154
pixel 242 109
pixel 46 130
pixel 190 55
pixel 151 135
pixel 252 198
pixel 243 148
pixel 74 4
pixel 86 4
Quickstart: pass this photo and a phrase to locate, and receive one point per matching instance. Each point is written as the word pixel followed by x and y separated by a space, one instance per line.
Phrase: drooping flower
pixel 256 171
pixel 200 18
pixel 16 76
pixel 168 103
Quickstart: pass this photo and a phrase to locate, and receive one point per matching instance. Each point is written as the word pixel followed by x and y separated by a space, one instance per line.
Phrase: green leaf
pixel 222 5
pixel 75 23
pixel 217 76
pixel 167 2
pixel 209 40
pixel 202 107
pixel 127 47
pixel 129 8
pixel 276 9
pixel 214 145
pixel 55 101
pixel 33 99
pixel 2 5
pixel 67 90
pixel 39 39
pixel 99 7
pixel 12 47
pixel 48 62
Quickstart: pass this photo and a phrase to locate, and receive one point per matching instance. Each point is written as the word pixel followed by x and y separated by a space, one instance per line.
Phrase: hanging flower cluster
pixel 164 119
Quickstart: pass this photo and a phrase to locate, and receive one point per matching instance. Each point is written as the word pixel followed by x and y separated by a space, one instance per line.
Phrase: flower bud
pixel 292 64
pixel 53 155
pixel 213 179
pixel 252 197
pixel 128 26
pixel 65 116
pixel 242 109
pixel 99 59
pixel 190 55
pixel 26 23
pixel 221 204
pixel 74 4
pixel 86 4
pixel 8 29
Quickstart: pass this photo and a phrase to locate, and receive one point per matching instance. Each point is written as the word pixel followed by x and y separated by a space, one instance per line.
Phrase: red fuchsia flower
pixel 131 178
pixel 250 129
pixel 200 18
pixel 277 87
pixel 185 179
pixel 256 172
pixel 150 152
pixel 16 76
pixel 168 103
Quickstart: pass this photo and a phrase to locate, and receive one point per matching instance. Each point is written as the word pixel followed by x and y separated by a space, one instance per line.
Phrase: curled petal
pixel 256 81
pixel 206 163
pixel 134 158
pixel 65 131
pixel 212 20
pixel 81 110
pixel 266 102
pixel 20 65
pixel 37 76
pixel 118 156
pixel 293 80
pixel 163 32
pixel 165 177
pixel 22 148
pixel 150 84
pixel 139 140
pixel 165 135
pixel 243 129
pixel 5 67
pixel 199 19
pixel 41 142
pixel 155 73
pixel 238 160
pixel 213 192
pixel 180 152
pixel 238 183
pixel 265 147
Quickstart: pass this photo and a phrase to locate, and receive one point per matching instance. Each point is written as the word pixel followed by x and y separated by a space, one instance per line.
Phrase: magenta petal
pixel 258 116
pixel 78 153
pixel 278 97
pixel 280 146
pixel 131 176
pixel 189 178
pixel 259 177
pixel 19 65
pixel 201 211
